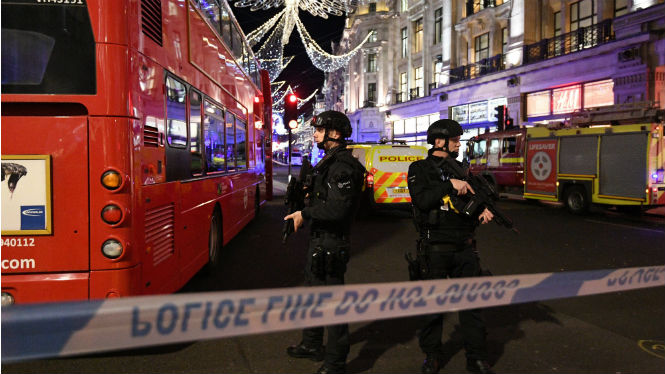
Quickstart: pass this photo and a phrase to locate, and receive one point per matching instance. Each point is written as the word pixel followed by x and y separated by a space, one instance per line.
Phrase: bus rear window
pixel 47 48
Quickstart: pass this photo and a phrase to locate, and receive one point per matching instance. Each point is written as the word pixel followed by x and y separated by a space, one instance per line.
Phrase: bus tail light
pixel 369 180
pixel 112 214
pixel 112 249
pixel 111 180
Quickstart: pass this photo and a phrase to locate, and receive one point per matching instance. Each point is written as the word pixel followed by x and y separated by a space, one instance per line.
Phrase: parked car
pixel 296 158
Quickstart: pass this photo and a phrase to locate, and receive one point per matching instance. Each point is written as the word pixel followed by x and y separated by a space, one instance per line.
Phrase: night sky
pixel 300 71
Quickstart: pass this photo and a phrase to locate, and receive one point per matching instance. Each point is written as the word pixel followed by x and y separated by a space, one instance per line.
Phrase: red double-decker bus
pixel 134 143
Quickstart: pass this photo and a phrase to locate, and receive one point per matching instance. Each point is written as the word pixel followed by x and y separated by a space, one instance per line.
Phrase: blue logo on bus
pixel 33 217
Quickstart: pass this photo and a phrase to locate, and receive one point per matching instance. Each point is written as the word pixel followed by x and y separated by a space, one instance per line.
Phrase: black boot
pixel 431 365
pixel 303 351
pixel 478 366
pixel 327 370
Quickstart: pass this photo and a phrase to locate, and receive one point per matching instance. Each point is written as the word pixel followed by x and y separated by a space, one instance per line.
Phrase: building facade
pixel 460 59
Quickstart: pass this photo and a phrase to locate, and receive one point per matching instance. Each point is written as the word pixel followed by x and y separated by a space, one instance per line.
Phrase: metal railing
pixel 431 87
pixel 369 104
pixel 480 68
pixel 414 93
pixel 580 39
pixel 399 97
pixel 475 6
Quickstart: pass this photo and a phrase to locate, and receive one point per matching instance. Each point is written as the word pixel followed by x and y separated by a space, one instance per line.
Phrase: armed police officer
pixel 447 245
pixel 333 198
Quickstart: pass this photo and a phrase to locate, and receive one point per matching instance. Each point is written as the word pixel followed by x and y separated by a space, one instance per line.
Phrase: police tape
pixel 49 330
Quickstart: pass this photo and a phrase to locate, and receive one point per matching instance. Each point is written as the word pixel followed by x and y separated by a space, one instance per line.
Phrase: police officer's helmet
pixel 443 128
pixel 333 120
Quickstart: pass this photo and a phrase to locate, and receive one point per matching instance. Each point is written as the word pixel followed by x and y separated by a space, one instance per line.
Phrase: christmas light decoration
pixel 279 97
pixel 318 8
pixel 320 58
pixel 271 53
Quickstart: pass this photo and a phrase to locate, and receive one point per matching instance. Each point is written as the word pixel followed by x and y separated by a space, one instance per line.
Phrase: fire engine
pixel 609 155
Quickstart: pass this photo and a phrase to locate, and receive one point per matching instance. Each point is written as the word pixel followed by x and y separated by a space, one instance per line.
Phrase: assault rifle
pixel 294 199
pixel 485 195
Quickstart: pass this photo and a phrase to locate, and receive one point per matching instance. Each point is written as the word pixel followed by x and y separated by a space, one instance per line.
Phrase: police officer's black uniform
pixel 333 200
pixel 447 250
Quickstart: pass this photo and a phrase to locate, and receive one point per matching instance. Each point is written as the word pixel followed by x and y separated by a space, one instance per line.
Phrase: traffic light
pixel 509 123
pixel 291 111
pixel 500 117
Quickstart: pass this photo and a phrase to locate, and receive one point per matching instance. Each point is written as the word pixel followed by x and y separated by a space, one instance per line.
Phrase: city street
pixel 141 139
pixel 599 333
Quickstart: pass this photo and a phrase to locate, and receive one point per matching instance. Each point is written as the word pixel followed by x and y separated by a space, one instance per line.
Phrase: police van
pixel 387 166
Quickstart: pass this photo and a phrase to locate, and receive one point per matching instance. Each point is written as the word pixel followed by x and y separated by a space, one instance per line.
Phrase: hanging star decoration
pixel 271 53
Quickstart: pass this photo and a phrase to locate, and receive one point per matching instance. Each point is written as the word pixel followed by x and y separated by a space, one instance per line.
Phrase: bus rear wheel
pixel 576 200
pixel 214 241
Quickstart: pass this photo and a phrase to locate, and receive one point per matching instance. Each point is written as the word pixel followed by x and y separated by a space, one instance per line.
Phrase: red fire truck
pixel 134 141
pixel 612 156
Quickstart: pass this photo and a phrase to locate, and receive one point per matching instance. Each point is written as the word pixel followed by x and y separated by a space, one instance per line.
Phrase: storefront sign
pixel 478 112
pixel 566 99
pixel 461 113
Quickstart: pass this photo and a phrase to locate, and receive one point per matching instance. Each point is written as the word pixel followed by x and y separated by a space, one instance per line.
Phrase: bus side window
pixel 176 128
pixel 177 155
pixel 226 28
pixel 213 133
pixel 241 142
pixel 195 133
pixel 237 44
pixel 211 11
pixel 509 145
pixel 230 151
